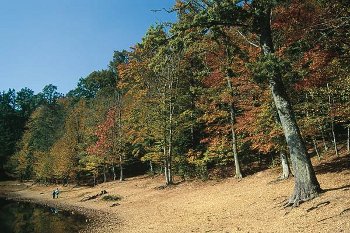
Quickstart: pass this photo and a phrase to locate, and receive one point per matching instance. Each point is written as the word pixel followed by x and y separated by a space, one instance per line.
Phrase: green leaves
pixel 267 67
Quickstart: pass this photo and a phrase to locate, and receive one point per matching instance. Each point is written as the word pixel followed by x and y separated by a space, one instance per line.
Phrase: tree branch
pixel 250 42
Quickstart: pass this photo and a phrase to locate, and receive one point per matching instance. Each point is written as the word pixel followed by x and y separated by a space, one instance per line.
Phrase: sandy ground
pixel 253 204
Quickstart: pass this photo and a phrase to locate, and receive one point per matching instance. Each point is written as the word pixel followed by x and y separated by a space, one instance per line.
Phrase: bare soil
pixel 253 204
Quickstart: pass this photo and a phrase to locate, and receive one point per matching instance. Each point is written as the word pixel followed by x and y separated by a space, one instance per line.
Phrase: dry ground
pixel 253 204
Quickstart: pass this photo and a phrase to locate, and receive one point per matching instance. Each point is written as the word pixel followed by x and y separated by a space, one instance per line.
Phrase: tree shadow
pixel 344 188
pixel 335 166
pixel 256 167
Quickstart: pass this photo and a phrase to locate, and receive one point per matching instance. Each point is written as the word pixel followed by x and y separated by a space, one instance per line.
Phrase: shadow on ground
pixel 336 165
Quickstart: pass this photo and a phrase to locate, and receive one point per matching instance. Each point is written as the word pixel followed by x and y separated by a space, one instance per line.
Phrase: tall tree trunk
pixel 166 171
pixel 316 149
pixel 165 151
pixel 238 173
pixel 120 141
pixel 121 175
pixel 192 118
pixel 170 85
pixel 334 140
pixel 306 184
pixel 348 144
pixel 307 107
pixel 332 120
pixel 151 167
pixel 323 139
pixel 170 144
pixel 113 171
pixel 285 166
pixel 166 166
pixel 104 174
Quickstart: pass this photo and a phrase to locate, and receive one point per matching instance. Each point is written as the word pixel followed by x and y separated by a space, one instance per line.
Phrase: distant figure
pixel 54 194
pixel 57 192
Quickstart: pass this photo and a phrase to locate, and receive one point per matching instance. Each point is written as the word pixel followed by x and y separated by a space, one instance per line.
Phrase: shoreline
pixel 95 219
pixel 227 205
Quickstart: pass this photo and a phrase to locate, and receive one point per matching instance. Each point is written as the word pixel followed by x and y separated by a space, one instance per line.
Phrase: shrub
pixel 112 198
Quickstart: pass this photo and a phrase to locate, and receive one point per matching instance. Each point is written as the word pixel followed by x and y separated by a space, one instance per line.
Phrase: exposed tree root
pixel 326 218
pixel 300 195
pixel 341 213
pixel 282 177
pixel 346 210
pixel 114 204
pixel 279 179
pixel 318 205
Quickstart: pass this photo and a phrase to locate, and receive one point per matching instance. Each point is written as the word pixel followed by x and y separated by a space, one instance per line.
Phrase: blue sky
pixel 59 41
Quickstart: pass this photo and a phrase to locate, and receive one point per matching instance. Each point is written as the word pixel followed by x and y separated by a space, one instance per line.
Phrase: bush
pixel 112 198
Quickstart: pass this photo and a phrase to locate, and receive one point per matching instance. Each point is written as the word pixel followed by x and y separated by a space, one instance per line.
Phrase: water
pixel 20 217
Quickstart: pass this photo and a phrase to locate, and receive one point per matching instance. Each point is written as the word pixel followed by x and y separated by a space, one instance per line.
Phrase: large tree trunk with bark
pixel 306 184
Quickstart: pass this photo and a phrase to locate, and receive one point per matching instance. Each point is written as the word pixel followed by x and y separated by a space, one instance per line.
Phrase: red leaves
pixel 103 134
pixel 318 61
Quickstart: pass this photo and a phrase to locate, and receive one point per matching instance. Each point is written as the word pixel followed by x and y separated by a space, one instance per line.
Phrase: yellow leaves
pixel 43 166
pixel 153 156
pixel 215 116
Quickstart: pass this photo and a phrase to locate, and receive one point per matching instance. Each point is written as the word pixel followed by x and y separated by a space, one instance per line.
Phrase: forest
pixel 230 88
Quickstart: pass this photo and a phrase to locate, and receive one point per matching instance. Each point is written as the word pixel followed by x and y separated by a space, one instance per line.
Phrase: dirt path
pixel 250 205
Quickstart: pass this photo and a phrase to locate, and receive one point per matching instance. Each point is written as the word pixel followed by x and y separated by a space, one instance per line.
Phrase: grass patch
pixel 112 198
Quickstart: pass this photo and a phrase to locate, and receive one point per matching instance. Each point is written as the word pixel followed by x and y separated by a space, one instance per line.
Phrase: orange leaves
pixel 214 79
pixel 295 19
pixel 318 61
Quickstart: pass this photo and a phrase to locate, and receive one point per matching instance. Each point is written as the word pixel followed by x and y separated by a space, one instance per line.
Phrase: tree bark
pixel 306 184
pixel 316 149
pixel 120 142
pixel 348 144
pixel 285 166
pixel 332 121
pixel 151 167
pixel 238 173
pixel 323 139
pixel 121 175
pixel 104 174
pixel 166 171
pixel 114 174
pixel 170 144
